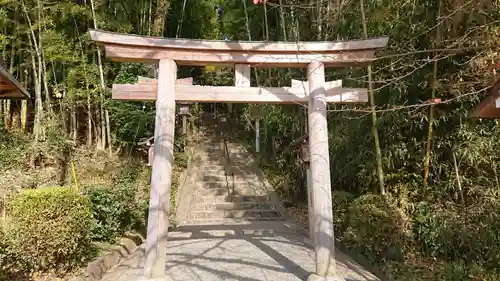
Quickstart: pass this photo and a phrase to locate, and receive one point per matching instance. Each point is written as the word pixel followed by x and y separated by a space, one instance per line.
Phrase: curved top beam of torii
pixel 125 47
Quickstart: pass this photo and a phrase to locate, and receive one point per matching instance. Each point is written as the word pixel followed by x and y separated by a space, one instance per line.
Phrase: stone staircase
pixel 226 192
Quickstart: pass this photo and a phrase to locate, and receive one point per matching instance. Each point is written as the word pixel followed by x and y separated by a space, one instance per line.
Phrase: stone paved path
pixel 224 237
pixel 278 256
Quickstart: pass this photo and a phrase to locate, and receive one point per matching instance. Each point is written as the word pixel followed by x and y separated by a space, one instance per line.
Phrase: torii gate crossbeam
pixel 169 53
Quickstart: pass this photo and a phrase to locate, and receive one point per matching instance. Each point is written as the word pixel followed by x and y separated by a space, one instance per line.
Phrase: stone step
pixel 207 198
pixel 239 187
pixel 255 228
pixel 234 214
pixel 229 221
pixel 215 168
pixel 249 187
pixel 227 206
pixel 213 191
pixel 221 176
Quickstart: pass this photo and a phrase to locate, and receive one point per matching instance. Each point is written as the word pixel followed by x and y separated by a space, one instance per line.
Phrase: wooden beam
pixel 104 37
pixel 126 53
pixel 237 95
pixel 238 80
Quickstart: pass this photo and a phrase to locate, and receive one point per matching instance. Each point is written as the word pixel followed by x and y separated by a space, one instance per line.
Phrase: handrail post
pixel 233 186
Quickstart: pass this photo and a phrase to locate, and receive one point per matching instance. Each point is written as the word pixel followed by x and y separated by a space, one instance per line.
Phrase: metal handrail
pixel 227 157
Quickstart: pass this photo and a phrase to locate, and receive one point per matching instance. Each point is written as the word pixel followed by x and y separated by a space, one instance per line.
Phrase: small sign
pixel 184 110
pixel 304 153
pixel 256 112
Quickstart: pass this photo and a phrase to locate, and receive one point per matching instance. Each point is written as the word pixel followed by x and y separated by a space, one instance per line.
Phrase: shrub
pixel 456 234
pixel 110 211
pixel 434 229
pixel 106 212
pixel 376 227
pixel 50 228
pixel 341 201
pixel 116 209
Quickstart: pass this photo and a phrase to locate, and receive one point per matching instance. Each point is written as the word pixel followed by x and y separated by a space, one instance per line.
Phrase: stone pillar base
pixel 165 278
pixel 314 277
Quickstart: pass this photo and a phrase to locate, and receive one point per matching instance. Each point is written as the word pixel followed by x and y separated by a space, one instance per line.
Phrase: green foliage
pixel 132 120
pixel 469 236
pixel 50 228
pixel 129 72
pixel 116 209
pixel 107 212
pixel 377 227
pixel 13 152
pixel 8 259
pixel 340 201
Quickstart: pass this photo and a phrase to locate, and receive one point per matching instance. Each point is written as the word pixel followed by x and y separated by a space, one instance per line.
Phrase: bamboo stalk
pixel 378 152
pixel 427 161
pixel 459 182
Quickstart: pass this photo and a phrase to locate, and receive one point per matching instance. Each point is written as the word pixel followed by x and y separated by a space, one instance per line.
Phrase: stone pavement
pixel 251 255
pixel 233 228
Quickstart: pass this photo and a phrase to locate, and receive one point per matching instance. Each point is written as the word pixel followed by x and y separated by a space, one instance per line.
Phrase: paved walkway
pixel 252 257
pixel 245 236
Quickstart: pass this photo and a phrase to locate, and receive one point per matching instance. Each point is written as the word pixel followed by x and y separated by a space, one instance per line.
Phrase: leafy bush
pixel 456 234
pixel 341 201
pixel 106 212
pixel 50 228
pixel 112 210
pixel 7 258
pixel 376 227
pixel 434 228
pixel 13 150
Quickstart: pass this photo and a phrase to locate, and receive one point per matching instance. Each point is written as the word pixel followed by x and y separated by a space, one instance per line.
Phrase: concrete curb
pixel 96 269
pixel 186 178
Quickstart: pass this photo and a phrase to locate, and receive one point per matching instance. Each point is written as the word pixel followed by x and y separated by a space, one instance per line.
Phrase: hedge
pixel 50 228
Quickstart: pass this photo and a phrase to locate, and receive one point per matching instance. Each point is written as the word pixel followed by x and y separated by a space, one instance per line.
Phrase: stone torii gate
pixel 169 53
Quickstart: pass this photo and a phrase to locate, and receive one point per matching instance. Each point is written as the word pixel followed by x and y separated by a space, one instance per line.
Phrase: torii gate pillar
pixel 324 242
pixel 161 178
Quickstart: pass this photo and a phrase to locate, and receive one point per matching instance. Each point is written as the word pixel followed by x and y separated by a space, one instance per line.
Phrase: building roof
pixel 10 88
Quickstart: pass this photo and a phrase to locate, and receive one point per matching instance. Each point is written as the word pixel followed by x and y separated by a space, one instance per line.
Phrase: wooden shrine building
pixel 10 88
pixel 167 90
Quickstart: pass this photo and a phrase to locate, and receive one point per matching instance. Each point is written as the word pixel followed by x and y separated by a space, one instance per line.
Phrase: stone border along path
pixel 251 239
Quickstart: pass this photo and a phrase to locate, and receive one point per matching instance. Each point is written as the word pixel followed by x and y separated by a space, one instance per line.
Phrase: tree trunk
pixel 37 72
pixel 24 103
pixel 150 21
pixel 74 124
pixel 282 19
pixel 108 133
pixel 160 17
pixel 378 152
pixel 89 121
pixel 102 113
